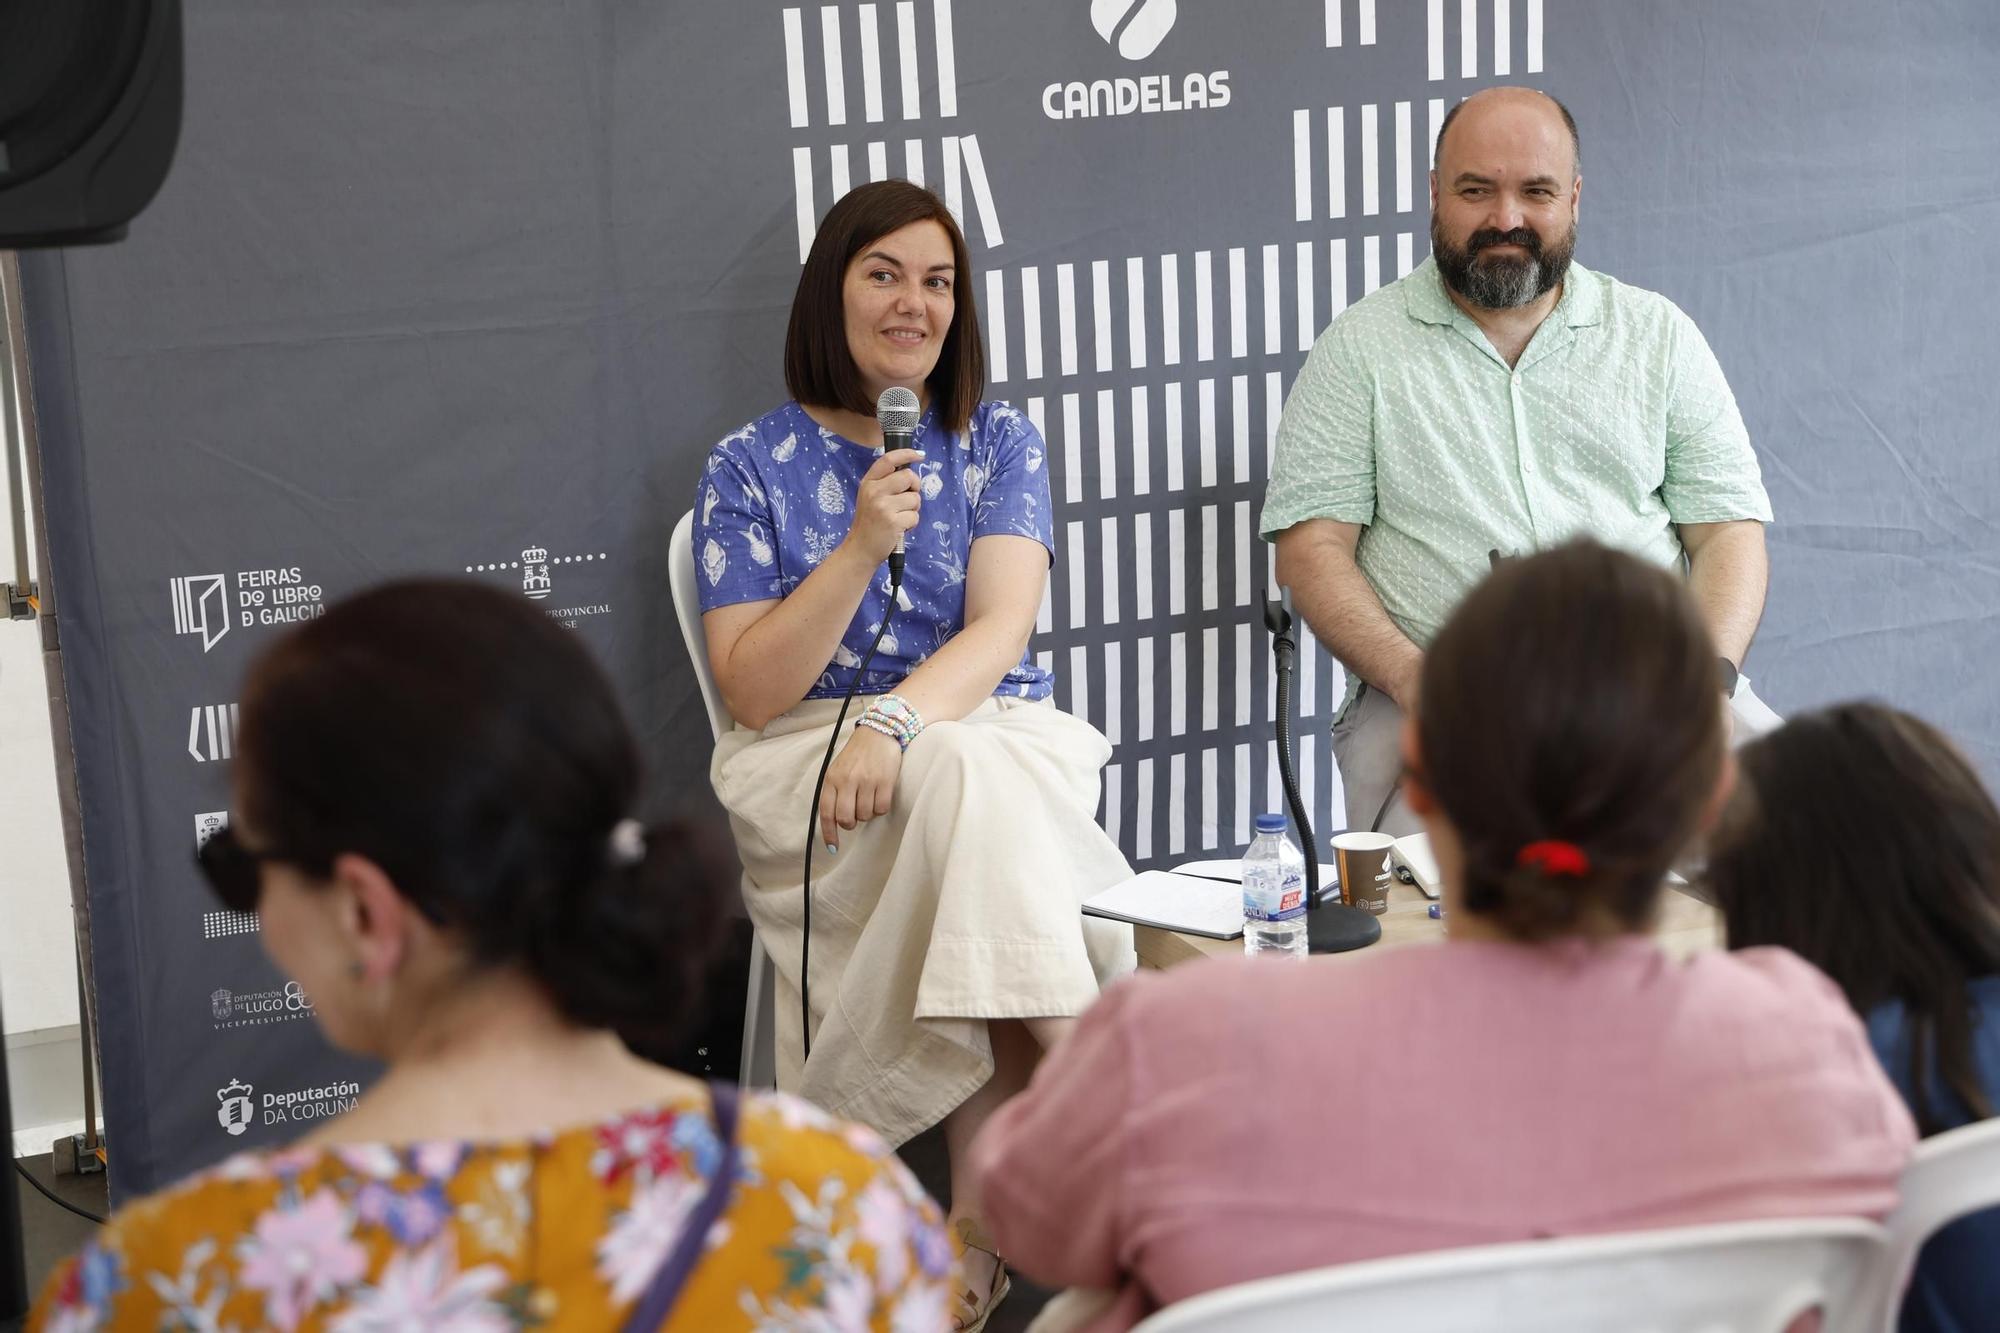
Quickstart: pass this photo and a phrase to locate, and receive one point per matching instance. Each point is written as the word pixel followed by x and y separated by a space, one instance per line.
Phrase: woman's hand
pixel 861 784
pixel 886 506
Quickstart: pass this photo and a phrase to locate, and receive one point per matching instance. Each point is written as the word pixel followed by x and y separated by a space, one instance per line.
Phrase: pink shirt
pixel 1242 1118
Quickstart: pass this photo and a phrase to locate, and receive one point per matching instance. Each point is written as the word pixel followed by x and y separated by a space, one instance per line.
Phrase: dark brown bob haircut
pixel 1572 698
pixel 819 367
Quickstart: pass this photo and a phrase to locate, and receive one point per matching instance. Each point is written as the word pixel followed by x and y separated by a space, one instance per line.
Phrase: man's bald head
pixel 1512 100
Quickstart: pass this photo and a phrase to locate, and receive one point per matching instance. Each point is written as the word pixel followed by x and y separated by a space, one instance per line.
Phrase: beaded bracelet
pixel 901 713
pixel 877 725
pixel 895 717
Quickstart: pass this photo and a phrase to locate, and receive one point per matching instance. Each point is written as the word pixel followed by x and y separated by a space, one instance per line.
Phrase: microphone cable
pixel 898 412
pixel 819 786
pixel 53 1197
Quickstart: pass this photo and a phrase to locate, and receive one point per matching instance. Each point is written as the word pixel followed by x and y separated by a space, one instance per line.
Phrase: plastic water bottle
pixel 1274 893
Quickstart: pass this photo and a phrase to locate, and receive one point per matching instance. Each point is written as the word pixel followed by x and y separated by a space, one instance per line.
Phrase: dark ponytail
pixel 1571 699
pixel 473 749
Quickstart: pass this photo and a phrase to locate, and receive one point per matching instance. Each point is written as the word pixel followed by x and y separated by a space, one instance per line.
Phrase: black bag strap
pixel 657 1301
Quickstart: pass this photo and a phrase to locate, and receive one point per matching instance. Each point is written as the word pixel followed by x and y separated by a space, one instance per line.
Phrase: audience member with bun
pixel 1861 839
pixel 438 816
pixel 1546 1070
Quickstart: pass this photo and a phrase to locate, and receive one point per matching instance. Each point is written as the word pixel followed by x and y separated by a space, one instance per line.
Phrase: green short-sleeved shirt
pixel 1617 424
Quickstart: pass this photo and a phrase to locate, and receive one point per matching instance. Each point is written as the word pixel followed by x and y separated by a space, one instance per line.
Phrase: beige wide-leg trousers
pixel 960 905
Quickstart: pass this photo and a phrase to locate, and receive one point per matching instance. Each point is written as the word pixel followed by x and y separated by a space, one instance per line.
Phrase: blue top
pixel 1956 1286
pixel 777 497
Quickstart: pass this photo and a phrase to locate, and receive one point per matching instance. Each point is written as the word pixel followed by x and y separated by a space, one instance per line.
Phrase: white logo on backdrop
pixel 208 825
pixel 1135 28
pixel 217 925
pixel 263 597
pixel 211 732
pixel 201 606
pixel 536 567
pixel 232 1009
pixel 1145 24
pixel 236 1110
pixel 223 924
pixel 320 1103
pixel 535 573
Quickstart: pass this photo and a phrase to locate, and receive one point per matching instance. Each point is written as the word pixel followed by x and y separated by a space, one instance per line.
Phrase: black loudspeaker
pixel 90 112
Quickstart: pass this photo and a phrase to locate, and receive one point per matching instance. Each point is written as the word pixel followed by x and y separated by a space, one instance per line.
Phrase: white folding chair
pixel 1736 1277
pixel 1951 1174
pixel 760 1038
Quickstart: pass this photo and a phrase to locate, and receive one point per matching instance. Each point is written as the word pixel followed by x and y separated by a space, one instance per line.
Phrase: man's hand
pixel 1316 560
pixel 860 786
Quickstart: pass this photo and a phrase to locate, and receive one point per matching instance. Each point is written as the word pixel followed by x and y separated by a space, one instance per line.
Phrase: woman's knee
pixel 945 747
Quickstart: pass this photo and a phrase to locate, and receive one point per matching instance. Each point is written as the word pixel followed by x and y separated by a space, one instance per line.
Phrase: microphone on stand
pixel 1331 927
pixel 896 412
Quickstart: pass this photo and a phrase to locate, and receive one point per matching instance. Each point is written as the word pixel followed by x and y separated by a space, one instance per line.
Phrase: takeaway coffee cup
pixel 1363 862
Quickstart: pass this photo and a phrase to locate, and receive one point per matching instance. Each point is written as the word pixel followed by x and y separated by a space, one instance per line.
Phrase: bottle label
pixel 1274 897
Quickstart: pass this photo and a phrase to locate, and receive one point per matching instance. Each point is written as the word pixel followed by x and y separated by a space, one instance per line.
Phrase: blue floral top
pixel 778 495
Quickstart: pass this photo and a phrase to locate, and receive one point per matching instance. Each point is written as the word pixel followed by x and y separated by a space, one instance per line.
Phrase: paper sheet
pixel 1173 902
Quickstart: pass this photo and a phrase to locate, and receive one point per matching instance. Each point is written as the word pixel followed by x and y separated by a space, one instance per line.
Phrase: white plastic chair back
pixel 687 610
pixel 1952 1174
pixel 1737 1277
pixel 760 1041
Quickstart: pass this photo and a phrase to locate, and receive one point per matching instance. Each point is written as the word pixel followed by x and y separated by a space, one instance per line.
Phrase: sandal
pixel 970 1309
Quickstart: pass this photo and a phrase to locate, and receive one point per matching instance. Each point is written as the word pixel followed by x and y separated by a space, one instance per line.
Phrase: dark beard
pixel 1502 282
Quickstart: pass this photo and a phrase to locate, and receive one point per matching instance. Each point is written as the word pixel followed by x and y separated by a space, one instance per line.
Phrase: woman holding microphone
pixel 956 833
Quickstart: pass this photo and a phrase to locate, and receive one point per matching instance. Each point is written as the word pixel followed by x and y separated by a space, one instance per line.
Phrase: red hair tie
pixel 1553 857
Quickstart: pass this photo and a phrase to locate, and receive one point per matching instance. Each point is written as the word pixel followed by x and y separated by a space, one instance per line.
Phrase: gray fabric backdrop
pixel 470 287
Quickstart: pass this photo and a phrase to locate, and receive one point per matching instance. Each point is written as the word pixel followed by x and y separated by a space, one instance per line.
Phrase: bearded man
pixel 1498 400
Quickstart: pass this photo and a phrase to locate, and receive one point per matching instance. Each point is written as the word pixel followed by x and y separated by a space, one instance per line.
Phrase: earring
pixel 356 971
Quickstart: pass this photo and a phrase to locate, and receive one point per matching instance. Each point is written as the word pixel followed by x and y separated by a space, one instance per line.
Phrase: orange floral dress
pixel 825 1230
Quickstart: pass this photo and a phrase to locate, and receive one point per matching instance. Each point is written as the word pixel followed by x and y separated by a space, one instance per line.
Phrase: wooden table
pixel 1686 925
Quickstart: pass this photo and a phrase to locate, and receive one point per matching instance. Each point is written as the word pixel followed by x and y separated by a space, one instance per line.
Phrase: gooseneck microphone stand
pixel 1331 925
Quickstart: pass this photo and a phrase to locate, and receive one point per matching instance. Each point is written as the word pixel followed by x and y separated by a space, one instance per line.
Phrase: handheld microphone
pixel 896 411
